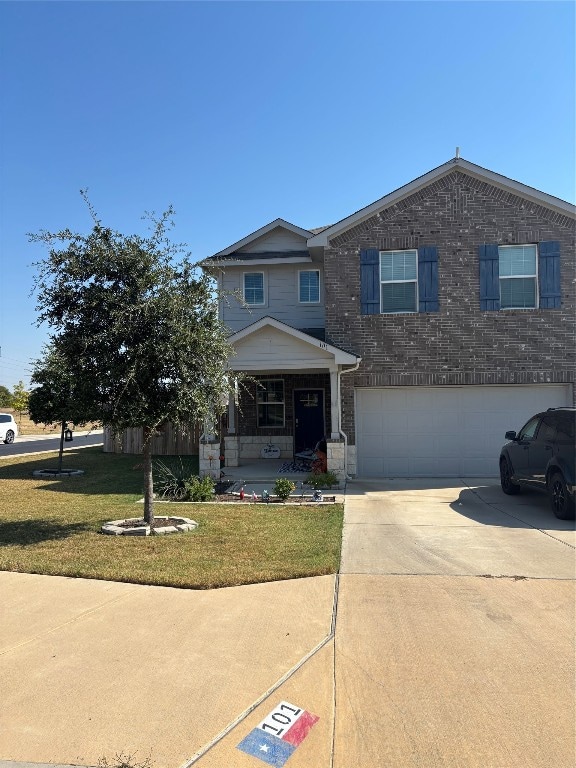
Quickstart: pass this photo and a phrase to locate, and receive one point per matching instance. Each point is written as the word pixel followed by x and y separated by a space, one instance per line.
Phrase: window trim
pixel 520 277
pixel 254 272
pixel 270 402
pixel 392 282
pixel 319 299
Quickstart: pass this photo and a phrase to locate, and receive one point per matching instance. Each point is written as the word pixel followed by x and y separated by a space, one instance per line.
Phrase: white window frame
pixel 254 304
pixel 388 282
pixel 259 402
pixel 300 273
pixel 519 277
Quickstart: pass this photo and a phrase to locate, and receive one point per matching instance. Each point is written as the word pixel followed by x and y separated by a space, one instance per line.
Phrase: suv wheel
pixel 561 503
pixel 506 479
pixel 9 436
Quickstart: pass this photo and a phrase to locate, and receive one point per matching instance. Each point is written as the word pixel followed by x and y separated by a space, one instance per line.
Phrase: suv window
pixel 529 430
pixel 5 419
pixel 547 430
pixel 565 425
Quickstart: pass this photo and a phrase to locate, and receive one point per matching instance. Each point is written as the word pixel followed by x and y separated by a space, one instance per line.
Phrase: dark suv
pixel 542 456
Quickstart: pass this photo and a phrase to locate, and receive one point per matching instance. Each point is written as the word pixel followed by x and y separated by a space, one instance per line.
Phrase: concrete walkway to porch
pixel 261 474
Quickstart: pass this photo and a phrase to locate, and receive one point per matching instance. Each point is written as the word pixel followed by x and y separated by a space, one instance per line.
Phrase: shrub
pixel 172 474
pixel 199 489
pixel 322 480
pixel 283 488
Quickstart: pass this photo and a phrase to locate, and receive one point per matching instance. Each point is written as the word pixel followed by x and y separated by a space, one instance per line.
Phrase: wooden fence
pixel 168 442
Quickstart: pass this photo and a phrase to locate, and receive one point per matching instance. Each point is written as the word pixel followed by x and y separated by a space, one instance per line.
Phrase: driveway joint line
pixel 515 576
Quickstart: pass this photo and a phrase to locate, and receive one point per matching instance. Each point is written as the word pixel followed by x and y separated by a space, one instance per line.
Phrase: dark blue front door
pixel 308 418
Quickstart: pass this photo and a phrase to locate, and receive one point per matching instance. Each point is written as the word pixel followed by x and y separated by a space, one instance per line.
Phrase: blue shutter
pixel 489 277
pixel 370 282
pixel 428 279
pixel 549 274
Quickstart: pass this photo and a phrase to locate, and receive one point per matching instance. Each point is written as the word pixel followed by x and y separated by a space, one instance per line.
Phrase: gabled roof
pixel 305 233
pixel 522 190
pixel 340 356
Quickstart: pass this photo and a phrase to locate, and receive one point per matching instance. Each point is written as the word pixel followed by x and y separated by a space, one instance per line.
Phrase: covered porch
pixel 289 402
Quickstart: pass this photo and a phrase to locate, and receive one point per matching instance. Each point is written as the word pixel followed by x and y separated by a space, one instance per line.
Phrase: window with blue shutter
pixel 525 276
pixel 549 274
pixel 399 282
pixel 517 276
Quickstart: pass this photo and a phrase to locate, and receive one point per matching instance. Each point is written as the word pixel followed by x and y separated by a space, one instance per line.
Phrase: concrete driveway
pixel 455 631
pixel 452 646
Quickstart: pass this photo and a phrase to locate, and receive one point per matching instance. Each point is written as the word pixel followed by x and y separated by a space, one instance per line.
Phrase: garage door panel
pixel 375 467
pixel 395 422
pixel 443 431
pixel 373 424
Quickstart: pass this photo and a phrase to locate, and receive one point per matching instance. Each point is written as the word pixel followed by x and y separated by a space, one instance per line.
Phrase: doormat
pixel 294 466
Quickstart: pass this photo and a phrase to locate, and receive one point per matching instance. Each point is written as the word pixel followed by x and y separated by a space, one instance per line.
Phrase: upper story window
pixel 309 286
pixel 398 281
pixel 525 276
pixel 254 288
pixel 517 267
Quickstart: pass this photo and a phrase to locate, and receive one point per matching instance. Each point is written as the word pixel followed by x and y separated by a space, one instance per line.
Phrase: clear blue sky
pixel 238 113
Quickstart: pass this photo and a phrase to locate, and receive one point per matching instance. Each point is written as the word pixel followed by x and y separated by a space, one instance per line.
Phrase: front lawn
pixel 53 527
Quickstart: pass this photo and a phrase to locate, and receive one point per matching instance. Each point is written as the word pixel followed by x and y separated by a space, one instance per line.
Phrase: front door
pixel 308 418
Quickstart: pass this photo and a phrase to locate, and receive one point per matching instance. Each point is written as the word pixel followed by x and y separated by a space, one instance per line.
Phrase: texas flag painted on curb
pixel 278 735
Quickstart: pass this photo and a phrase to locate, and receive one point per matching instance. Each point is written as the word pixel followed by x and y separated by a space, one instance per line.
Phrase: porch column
pixel 231 415
pixel 334 405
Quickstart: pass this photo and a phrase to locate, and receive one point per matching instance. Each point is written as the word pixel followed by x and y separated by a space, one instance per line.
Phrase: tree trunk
pixel 61 447
pixel 148 481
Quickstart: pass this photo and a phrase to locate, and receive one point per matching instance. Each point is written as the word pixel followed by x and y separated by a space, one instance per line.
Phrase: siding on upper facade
pixel 281 295
pixel 459 343
pixel 271 349
pixel 279 239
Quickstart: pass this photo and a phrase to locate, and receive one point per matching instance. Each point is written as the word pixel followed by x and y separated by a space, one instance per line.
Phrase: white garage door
pixel 443 431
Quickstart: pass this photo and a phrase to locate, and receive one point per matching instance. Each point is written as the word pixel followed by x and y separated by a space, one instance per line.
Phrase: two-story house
pixel 412 334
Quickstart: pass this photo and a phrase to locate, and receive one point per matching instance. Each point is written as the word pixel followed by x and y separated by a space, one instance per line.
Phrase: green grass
pixel 52 526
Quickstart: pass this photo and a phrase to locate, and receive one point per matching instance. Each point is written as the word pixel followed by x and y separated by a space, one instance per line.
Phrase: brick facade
pixel 247 419
pixel 459 344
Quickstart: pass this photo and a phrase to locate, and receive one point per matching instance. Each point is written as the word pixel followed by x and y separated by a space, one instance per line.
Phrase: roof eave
pixel 541 198
pixel 305 233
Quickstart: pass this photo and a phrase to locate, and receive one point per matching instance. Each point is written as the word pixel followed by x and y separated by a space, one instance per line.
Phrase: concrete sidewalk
pixel 93 668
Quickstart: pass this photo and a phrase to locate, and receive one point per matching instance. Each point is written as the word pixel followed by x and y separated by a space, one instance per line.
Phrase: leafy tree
pixel 5 397
pixel 58 396
pixel 20 399
pixel 137 323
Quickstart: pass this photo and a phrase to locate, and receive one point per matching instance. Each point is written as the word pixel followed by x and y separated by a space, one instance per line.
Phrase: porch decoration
pixel 270 451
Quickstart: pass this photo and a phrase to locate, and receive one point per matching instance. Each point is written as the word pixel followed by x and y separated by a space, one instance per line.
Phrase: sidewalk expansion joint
pixel 290 673
pixel 73 620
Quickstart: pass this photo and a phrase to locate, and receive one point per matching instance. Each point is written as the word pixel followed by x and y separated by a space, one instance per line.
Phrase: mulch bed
pixel 159 522
pixel 227 497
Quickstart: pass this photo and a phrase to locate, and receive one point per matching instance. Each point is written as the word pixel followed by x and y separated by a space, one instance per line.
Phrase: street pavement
pixel 27 444
pixel 447 640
